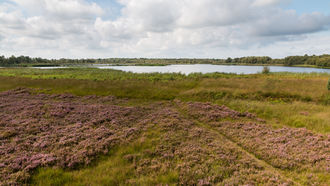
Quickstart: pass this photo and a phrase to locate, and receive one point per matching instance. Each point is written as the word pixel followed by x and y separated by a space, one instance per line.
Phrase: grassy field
pixel 179 139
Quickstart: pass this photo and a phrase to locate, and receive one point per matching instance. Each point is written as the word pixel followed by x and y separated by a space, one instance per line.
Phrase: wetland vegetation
pixel 87 126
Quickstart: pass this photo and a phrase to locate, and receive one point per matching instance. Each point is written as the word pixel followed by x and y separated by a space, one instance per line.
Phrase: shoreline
pixel 156 65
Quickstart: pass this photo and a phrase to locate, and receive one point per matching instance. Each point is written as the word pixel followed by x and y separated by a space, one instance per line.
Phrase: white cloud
pixel 268 2
pixel 61 9
pixel 11 20
pixel 215 13
pixel 72 9
pixel 289 23
pixel 156 28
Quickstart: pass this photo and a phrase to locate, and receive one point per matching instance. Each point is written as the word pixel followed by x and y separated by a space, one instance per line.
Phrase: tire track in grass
pixel 251 155
pixel 263 163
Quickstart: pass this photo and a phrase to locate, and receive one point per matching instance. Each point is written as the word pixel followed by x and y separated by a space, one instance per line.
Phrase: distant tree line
pixel 251 60
pixel 319 61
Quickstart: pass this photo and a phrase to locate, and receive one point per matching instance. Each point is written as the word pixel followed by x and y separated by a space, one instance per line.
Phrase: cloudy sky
pixel 164 28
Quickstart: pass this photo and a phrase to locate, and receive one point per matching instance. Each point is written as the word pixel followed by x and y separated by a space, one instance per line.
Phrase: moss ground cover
pixel 105 127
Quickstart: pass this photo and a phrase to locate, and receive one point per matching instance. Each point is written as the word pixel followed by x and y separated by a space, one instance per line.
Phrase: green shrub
pixel 329 84
pixel 266 70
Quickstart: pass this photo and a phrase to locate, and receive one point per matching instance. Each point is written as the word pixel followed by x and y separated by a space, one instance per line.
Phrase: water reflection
pixel 206 68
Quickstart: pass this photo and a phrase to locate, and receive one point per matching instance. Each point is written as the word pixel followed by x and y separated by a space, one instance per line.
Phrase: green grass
pixel 297 114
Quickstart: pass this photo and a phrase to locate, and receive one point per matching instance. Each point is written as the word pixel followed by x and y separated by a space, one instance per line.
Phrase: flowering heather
pixel 286 148
pixel 61 130
pixel 210 112
pixel 196 143
pixel 200 156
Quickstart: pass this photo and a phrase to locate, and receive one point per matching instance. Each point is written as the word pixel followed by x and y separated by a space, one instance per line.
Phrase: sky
pixel 164 28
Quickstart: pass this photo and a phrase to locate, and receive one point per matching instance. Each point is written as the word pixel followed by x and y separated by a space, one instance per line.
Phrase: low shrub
pixel 265 70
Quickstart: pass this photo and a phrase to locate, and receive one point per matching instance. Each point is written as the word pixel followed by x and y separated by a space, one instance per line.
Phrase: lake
pixel 207 68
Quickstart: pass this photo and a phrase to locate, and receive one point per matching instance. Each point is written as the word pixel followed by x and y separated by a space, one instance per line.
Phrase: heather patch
pixel 62 130
pixel 202 157
pixel 161 143
pixel 210 112
pixel 174 150
pixel 290 149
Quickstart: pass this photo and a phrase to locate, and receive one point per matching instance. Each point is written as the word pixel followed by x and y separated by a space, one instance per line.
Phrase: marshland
pixel 89 126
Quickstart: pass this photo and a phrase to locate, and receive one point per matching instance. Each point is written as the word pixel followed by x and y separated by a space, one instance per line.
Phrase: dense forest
pixel 322 61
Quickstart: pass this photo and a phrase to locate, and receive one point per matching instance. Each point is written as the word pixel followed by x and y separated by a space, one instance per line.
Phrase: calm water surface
pixel 206 68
